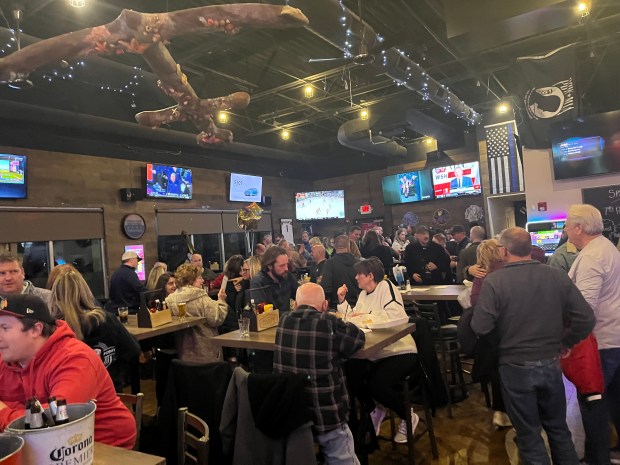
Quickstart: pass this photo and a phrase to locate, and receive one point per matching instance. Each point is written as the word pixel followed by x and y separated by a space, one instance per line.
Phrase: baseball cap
pixel 458 229
pixel 129 255
pixel 421 229
pixel 25 306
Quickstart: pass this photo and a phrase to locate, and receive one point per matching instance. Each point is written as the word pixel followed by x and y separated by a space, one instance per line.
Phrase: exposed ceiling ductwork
pixel 332 21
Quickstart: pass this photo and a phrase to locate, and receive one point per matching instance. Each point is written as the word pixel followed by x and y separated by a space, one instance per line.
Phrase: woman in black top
pixel 372 247
pixel 73 301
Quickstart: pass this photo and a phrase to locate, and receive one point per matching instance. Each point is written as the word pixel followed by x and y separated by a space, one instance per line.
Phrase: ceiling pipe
pixel 337 25
pixel 357 135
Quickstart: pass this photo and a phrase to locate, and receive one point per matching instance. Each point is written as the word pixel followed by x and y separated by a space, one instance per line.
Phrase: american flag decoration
pixel 503 154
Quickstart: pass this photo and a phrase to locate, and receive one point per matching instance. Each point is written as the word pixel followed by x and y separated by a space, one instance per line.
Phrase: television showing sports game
pixel 319 205
pixel 407 187
pixel 168 182
pixel 245 188
pixel 457 180
pixel 12 176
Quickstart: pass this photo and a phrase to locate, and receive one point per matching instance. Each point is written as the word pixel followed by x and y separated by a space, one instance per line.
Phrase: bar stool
pixel 445 337
pixel 415 391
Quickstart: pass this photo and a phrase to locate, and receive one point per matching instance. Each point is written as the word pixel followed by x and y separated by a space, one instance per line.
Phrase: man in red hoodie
pixel 41 357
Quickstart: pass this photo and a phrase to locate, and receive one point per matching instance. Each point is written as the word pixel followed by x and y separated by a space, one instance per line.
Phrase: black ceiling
pixel 470 50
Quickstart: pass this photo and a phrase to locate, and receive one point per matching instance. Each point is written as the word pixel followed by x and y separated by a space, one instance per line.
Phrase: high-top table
pixel 376 340
pixel 109 455
pixel 438 292
pixel 176 325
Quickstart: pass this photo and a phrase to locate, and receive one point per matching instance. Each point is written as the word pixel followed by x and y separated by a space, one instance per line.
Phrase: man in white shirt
pixel 596 272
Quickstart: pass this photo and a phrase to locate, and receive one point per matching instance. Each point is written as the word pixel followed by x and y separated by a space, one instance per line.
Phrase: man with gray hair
pixel 467 257
pixel 537 313
pixel 596 272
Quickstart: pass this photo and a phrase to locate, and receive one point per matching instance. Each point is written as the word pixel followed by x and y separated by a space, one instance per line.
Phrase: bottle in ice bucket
pixel 27 414
pixel 36 416
pixel 62 416
pixel 53 407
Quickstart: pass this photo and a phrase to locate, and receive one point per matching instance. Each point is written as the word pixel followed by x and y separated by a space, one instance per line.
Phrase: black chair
pixel 446 341
pixel 416 390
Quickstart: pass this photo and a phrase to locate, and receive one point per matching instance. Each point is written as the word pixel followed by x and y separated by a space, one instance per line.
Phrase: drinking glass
pixel 182 310
pixel 123 315
pixel 244 327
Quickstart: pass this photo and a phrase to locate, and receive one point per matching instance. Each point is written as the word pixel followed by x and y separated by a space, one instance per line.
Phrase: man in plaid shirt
pixel 315 343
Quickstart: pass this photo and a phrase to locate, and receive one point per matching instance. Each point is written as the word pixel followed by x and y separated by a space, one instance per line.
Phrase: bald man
pixel 318 258
pixel 315 343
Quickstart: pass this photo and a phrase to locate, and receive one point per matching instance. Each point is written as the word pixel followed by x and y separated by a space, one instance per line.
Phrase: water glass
pixel 244 327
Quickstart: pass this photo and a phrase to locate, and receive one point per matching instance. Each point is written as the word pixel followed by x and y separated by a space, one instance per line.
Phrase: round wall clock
pixel 133 226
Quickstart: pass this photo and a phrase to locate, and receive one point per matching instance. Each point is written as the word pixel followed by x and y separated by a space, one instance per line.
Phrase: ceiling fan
pixel 364 56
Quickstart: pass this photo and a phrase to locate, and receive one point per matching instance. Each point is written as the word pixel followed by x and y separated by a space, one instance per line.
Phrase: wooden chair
pixel 134 402
pixel 191 448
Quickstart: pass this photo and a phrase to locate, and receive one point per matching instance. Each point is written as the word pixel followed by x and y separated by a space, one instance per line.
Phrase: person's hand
pixel 453 264
pixel 564 352
pixel 342 292
pixel 238 287
pixel 431 266
pixel 417 278
pixel 221 295
pixel 477 271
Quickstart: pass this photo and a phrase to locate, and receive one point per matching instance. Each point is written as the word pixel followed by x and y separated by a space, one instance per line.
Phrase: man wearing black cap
pixel 125 287
pixel 41 357
pixel 425 260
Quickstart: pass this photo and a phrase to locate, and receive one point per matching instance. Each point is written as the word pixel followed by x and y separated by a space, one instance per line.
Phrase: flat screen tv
pixel 12 176
pixel 168 182
pixel 319 205
pixel 457 180
pixel 245 188
pixel 587 147
pixel 407 187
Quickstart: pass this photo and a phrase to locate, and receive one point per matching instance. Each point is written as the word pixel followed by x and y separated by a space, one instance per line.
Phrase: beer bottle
pixel 47 420
pixel 27 414
pixel 36 416
pixel 62 416
pixel 53 407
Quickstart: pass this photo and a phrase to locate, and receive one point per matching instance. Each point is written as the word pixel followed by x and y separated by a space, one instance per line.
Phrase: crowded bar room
pixel 310 232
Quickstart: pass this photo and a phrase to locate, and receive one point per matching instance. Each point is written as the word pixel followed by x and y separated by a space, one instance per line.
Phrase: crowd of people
pixel 527 323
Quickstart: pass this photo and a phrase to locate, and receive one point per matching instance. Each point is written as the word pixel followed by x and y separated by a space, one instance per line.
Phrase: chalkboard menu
pixel 607 200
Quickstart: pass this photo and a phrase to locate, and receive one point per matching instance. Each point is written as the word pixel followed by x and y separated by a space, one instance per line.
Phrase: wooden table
pixel 376 340
pixel 109 455
pixel 439 292
pixel 176 325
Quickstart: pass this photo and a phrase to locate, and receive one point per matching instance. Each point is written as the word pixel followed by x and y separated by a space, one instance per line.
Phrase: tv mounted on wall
pixel 587 147
pixel 12 176
pixel 319 205
pixel 168 182
pixel 407 187
pixel 457 180
pixel 245 188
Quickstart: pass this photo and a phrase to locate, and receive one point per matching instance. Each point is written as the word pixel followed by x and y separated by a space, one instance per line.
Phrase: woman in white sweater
pixel 375 379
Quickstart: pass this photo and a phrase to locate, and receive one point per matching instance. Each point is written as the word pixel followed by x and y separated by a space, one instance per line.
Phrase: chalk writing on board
pixel 607 200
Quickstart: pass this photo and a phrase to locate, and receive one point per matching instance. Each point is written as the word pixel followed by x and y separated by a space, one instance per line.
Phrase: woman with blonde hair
pixel 194 344
pixel 485 356
pixel 400 241
pixel 57 271
pixel 73 301
pixel 158 269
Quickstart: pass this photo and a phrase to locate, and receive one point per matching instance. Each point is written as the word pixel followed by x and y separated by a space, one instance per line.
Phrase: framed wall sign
pixel 133 226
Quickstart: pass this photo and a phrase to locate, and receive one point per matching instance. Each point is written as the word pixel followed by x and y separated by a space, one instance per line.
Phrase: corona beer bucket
pixel 11 449
pixel 72 443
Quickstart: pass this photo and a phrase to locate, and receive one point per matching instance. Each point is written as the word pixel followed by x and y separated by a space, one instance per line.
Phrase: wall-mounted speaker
pixel 129 194
pixel 266 201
